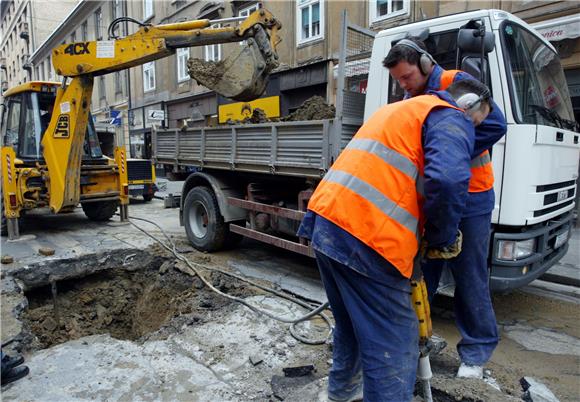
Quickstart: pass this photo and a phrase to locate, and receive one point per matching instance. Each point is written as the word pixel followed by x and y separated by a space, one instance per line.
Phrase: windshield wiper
pixel 555 118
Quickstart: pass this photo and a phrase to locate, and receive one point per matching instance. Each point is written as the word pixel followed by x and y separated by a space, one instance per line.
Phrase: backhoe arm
pixel 152 42
pixel 246 71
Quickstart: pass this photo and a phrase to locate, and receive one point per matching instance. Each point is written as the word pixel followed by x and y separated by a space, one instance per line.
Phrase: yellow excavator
pixel 50 152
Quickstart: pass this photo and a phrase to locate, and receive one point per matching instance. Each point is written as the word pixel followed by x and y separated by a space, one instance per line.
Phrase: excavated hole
pixel 129 305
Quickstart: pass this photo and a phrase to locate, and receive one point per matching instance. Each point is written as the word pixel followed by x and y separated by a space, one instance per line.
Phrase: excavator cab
pixel 27 114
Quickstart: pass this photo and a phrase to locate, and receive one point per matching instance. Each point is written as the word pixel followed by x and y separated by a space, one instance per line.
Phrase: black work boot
pixel 15 373
pixel 11 362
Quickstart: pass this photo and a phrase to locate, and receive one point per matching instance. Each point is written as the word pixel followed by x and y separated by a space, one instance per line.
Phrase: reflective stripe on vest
pixel 481 173
pixel 391 157
pixel 374 196
pixel 480 161
pixel 374 189
pixel 481 168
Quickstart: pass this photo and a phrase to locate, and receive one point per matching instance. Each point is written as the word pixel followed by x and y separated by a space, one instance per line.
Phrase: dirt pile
pixel 314 108
pixel 126 304
pixel 207 72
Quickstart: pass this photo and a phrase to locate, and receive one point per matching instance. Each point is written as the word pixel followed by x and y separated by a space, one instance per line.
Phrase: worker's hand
pixel 448 252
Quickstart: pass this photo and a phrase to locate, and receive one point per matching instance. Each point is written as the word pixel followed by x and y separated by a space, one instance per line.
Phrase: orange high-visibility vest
pixel 481 167
pixel 374 189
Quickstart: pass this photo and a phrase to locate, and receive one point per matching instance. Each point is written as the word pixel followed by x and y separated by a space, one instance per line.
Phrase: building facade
pixel 161 92
pixel 88 21
pixel 25 24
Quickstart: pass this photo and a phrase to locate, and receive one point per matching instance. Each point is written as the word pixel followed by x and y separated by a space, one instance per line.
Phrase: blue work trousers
pixel 474 313
pixel 376 332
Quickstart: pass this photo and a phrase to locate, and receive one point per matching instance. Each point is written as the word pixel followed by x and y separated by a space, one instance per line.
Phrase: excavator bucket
pixel 243 75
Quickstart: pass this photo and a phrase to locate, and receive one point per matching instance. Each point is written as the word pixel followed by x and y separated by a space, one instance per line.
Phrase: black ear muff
pixel 426 61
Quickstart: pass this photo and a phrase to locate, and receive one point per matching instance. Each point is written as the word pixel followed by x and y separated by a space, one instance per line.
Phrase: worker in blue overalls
pixel 417 72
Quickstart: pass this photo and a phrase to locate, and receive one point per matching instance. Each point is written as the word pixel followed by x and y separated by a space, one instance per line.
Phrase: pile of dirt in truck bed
pixel 126 304
pixel 314 108
pixel 258 116
pixel 208 72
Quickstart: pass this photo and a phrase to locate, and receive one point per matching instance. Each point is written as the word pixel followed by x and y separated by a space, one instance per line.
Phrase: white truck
pixel 255 180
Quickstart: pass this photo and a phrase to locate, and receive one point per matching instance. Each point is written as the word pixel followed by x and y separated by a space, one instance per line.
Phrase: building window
pixel 182 57
pixel 116 12
pixel 98 24
pixel 245 12
pixel 147 9
pixel 149 76
pixel 102 89
pixel 84 31
pixel 118 83
pixel 310 20
pixel 213 52
pixel 384 9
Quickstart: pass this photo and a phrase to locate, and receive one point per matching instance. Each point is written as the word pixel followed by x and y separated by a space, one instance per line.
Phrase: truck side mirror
pixel 469 41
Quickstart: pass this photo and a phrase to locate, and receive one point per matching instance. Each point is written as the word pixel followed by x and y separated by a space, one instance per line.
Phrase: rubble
pixel 314 108
pixel 46 251
pixel 535 391
pixel 7 259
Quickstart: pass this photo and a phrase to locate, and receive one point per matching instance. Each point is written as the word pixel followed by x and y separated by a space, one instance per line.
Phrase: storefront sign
pixel 559 28
pixel 242 110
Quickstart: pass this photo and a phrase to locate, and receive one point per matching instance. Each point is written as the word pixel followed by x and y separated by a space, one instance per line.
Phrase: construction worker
pixel 417 73
pixel 404 173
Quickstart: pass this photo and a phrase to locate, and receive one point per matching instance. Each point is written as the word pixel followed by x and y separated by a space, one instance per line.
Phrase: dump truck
pixel 255 180
pixel 51 156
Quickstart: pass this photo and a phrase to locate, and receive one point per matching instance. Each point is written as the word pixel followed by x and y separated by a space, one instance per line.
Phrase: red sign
pixel 551 97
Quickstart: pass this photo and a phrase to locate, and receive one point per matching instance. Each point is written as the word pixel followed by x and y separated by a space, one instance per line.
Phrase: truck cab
pixel 536 163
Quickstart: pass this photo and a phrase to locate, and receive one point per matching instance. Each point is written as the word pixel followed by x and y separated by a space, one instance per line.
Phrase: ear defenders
pixel 425 61
pixel 470 100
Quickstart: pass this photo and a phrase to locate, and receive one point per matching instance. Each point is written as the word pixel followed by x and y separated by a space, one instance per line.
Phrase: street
pixel 124 324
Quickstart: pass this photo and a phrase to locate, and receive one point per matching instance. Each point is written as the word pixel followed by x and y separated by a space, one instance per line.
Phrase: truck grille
pixel 552 209
pixel 555 186
pixel 139 169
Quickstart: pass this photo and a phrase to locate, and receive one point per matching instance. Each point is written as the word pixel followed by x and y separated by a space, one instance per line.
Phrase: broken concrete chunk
pixel 298 371
pixel 535 391
pixel 166 266
pixel 46 251
pixel 7 259
pixel 256 359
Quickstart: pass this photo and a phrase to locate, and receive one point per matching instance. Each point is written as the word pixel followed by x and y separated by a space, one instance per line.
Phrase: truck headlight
pixel 511 250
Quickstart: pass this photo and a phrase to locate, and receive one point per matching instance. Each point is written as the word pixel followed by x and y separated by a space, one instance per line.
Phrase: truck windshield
pixel 538 86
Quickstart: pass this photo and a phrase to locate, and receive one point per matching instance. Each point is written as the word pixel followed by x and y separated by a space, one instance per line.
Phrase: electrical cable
pixel 193 266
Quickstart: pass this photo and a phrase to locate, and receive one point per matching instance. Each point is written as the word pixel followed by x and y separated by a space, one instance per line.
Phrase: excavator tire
pixel 100 210
pixel 204 223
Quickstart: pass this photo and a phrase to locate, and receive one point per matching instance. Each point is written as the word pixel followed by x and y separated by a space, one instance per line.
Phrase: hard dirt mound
pixel 209 72
pixel 314 108
pixel 126 304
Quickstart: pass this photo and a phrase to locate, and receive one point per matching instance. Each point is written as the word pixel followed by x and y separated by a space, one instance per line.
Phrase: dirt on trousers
pixel 128 304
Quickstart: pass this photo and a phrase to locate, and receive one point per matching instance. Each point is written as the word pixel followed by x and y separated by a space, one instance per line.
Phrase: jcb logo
pixel 77 48
pixel 62 127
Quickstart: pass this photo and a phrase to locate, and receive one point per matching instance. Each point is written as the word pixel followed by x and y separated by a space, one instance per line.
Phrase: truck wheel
pixel 147 197
pixel 204 224
pixel 100 210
